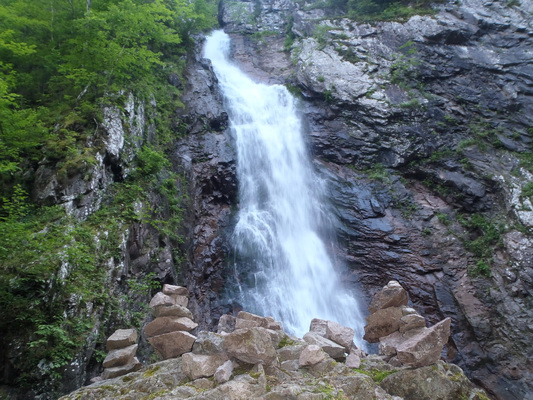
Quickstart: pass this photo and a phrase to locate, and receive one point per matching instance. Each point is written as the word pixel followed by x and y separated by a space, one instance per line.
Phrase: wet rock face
pixel 206 158
pixel 444 105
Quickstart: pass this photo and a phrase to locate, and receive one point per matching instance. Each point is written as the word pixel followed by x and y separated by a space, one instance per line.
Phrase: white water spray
pixel 292 277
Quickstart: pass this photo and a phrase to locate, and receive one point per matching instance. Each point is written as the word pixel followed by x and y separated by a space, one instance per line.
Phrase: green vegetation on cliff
pixel 61 63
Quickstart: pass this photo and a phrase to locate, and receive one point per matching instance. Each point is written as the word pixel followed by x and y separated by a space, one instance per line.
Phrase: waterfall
pixel 289 273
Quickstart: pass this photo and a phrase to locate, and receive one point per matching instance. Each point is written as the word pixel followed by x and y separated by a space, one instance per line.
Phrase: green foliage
pixel 321 34
pixel 60 60
pixel 404 70
pixel 387 10
pixel 481 268
pixel 443 218
pixel 527 191
pixel 286 341
pixel 526 161
pixel 379 173
pixel 376 374
pixel 483 239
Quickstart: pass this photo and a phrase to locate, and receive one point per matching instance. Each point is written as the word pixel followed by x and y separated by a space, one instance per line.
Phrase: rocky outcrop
pixel 422 129
pixel 206 158
pixel 247 364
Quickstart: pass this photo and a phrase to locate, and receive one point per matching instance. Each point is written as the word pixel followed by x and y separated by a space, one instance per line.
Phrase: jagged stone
pixel 340 334
pixel 173 344
pixel 382 323
pixel 252 345
pixel 246 323
pixel 203 384
pixel 134 365
pixel 388 344
pixel 353 361
pixel 163 325
pixel 180 300
pixel 175 290
pixel 438 382
pixel 290 365
pixel 333 331
pixel 224 372
pixel 319 326
pixel 425 347
pixel 226 323
pixel 161 299
pixel 172 311
pixel 208 343
pixel 311 355
pixel 264 322
pixel 331 348
pixel 200 366
pixel 290 352
pixel 412 321
pixel 120 356
pixel 121 338
pixel 392 295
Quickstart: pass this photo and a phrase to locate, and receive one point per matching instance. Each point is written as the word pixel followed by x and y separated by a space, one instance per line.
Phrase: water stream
pixel 283 268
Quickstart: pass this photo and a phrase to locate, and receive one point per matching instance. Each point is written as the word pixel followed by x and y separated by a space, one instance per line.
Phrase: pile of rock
pixel 250 357
pixel 401 332
pixel 121 360
pixel 169 333
pixel 249 339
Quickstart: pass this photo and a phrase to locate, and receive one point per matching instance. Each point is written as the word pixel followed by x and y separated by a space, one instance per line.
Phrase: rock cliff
pixel 423 129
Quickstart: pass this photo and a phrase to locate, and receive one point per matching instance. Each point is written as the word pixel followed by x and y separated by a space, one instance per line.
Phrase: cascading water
pixel 291 275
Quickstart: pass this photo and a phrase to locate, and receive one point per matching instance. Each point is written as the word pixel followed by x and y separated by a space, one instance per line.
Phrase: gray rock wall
pixel 419 126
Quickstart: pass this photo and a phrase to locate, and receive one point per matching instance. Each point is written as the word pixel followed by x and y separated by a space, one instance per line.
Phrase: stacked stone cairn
pixel 121 360
pixel 401 332
pixel 169 333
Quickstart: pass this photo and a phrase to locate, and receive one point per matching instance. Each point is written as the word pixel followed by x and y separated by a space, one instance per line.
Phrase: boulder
pixel 121 338
pixel 392 295
pixel 173 344
pixel 224 372
pixel 412 321
pixel 226 323
pixel 201 366
pixel 171 311
pixel 252 346
pixel 161 299
pixel 163 325
pixel 290 352
pixel 319 326
pixel 208 343
pixel 331 348
pixel 180 300
pixel 389 343
pixel 120 356
pixel 340 334
pixel 425 347
pixel 290 365
pixel 438 382
pixel 382 323
pixel 333 331
pixel 353 361
pixel 245 324
pixel 311 355
pixel 175 290
pixel 134 365
pixel 264 322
